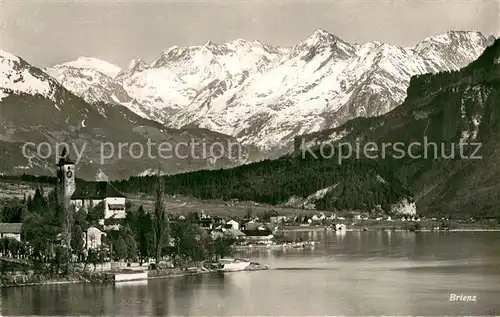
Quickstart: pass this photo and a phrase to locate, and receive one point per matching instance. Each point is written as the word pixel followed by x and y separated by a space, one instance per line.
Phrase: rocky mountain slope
pixel 35 107
pixel 263 95
pixel 457 111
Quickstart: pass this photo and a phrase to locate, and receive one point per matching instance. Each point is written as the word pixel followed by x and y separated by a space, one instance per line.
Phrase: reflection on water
pixel 348 273
pixel 304 268
pixel 131 283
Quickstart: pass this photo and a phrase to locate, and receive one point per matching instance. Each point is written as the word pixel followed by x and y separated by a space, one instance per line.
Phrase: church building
pixel 87 194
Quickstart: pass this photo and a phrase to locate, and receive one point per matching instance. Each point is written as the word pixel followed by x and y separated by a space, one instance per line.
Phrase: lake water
pixel 353 273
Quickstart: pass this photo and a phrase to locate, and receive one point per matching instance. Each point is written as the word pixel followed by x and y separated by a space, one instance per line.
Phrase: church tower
pixel 65 178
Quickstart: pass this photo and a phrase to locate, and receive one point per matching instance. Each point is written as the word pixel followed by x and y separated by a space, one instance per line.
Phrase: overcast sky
pixel 49 32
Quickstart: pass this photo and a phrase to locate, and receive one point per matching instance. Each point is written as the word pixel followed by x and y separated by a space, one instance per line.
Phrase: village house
pixel 217 233
pixel 232 224
pixel 11 230
pixel 250 225
pixel 257 232
pixel 202 215
pixel 278 219
pixel 258 235
pixel 206 223
pixel 254 220
pixel 219 221
pixel 93 238
pixel 235 234
pixel 95 193
pixel 340 227
pixel 319 217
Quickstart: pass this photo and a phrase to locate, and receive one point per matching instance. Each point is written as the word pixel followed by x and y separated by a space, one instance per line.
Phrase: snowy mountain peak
pixel 321 32
pixel 8 56
pixel 240 40
pixel 319 37
pixel 452 47
pixel 164 57
pixel 137 65
pixel 104 67
pixel 172 49
pixel 240 43
pixel 321 41
pixel 92 79
pixel 451 37
pixel 364 49
pixel 17 76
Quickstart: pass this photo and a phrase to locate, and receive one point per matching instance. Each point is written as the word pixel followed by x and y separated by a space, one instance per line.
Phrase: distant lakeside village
pixel 90 233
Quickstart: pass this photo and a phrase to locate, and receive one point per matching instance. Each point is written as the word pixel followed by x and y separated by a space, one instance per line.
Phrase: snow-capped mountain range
pixel 35 108
pixel 264 95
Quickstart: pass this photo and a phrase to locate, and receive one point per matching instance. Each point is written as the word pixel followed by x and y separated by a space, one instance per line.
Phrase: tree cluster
pixel 141 236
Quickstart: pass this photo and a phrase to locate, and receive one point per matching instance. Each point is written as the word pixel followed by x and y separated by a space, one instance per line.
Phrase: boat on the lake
pixel 303 244
pixel 231 265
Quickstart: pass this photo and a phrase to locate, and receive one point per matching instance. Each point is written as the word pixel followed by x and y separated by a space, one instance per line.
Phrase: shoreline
pixel 54 282
pixel 385 228
pixel 393 230
pixel 107 277
pixel 102 277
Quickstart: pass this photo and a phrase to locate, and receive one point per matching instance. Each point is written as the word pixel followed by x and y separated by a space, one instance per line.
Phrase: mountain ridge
pixel 451 108
pixel 35 109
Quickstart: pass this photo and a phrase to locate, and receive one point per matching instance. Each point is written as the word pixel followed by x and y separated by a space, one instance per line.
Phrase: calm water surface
pixel 354 273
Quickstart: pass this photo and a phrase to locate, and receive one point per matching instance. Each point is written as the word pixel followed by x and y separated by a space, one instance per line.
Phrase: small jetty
pixel 277 246
pixel 254 266
pixel 124 275
pixel 231 265
pixel 238 264
pixel 227 265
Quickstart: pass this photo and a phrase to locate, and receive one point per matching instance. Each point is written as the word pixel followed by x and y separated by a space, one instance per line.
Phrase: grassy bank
pixel 10 280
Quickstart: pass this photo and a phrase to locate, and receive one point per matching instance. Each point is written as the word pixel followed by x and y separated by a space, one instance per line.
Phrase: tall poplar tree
pixel 161 223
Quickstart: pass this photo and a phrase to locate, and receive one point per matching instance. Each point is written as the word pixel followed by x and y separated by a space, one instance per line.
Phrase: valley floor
pixel 425 225
pixel 179 204
pixel 185 205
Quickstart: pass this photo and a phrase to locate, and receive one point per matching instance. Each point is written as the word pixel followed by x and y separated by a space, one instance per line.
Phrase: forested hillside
pixel 358 184
pixel 353 184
